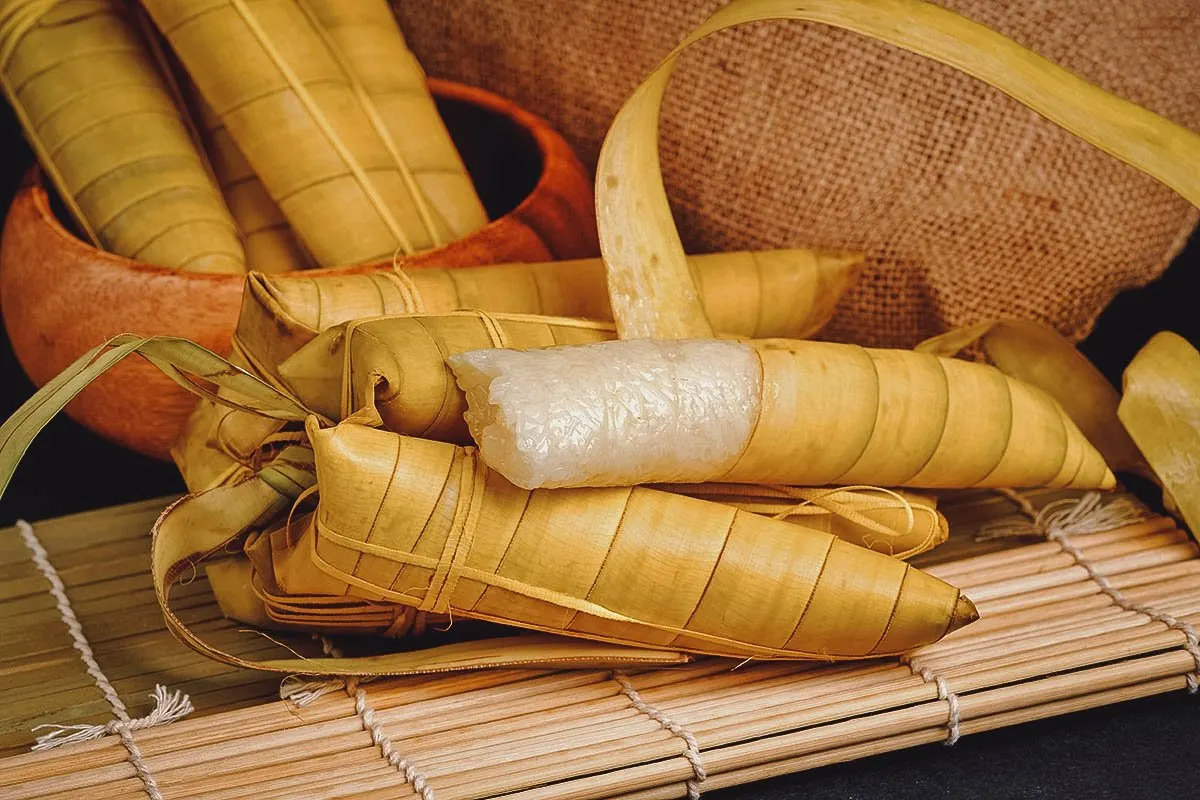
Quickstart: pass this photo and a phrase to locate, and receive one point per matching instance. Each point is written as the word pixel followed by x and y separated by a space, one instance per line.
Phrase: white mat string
pixel 302 692
pixel 692 753
pixel 953 714
pixel 415 778
pixel 169 706
pixel 1069 516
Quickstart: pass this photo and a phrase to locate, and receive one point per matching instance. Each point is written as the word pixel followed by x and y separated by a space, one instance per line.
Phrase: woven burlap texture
pixel 783 134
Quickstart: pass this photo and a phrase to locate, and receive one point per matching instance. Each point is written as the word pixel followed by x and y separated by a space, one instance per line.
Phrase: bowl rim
pixel 551 148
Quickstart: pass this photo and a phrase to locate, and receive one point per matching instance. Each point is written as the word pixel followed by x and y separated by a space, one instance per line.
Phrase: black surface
pixel 1142 749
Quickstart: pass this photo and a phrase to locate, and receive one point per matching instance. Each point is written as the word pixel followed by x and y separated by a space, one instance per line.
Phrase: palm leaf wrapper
pixel 632 461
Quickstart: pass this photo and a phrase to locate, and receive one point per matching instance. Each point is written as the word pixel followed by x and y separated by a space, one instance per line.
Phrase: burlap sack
pixel 783 134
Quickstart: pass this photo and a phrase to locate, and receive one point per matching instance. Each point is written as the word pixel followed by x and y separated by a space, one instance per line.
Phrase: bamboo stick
pixel 1128 626
pixel 294 776
pixel 417 736
pixel 858 731
pixel 772 769
pixel 1106 614
pixel 1068 583
pixel 120 672
pixel 759 732
pixel 1175 660
pixel 1096 551
pixel 952 570
pixel 271 718
pixel 1163 685
pixel 61 540
pixel 1025 618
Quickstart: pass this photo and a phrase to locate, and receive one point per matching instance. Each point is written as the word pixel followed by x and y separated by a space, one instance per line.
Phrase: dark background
pixel 1142 749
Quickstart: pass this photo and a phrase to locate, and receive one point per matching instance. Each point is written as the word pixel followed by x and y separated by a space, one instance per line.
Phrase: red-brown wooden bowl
pixel 61 296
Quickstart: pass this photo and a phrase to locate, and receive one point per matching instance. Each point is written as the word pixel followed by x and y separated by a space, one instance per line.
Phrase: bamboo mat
pixel 1065 626
pixel 103 558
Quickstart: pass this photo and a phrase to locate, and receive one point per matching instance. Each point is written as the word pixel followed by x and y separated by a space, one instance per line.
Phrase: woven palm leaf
pixel 397 365
pixel 396 368
pixel 373 49
pixel 103 123
pixel 284 93
pixel 244 587
pixel 773 293
pixel 772 411
pixel 901 524
pixel 427 524
pixel 206 529
pixel 1161 410
pixel 1040 356
pixel 770 293
pixel 788 293
pixel 220 443
pixel 269 243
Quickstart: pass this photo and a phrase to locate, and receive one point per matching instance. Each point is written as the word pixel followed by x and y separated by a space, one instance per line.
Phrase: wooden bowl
pixel 60 296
